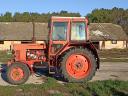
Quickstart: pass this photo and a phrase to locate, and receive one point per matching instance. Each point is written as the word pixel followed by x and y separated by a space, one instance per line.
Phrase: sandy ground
pixel 108 70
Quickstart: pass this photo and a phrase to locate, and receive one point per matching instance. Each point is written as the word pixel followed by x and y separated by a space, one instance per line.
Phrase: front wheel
pixel 78 65
pixel 17 73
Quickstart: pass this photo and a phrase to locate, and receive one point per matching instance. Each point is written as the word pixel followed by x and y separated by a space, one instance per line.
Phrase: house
pixel 103 35
pixel 21 33
pixel 108 36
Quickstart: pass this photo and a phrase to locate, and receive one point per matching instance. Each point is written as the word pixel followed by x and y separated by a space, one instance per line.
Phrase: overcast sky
pixel 44 6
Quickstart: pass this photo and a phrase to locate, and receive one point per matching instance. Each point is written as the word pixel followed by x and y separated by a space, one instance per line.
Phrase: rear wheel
pixel 18 73
pixel 78 65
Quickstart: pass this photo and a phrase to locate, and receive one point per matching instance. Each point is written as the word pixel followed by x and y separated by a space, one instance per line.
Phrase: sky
pixel 44 6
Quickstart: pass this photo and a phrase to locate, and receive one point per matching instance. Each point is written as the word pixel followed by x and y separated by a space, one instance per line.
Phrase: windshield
pixel 59 31
pixel 78 31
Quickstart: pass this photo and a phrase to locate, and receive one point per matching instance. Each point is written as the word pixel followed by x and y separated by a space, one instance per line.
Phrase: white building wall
pixel 8 44
pixel 109 45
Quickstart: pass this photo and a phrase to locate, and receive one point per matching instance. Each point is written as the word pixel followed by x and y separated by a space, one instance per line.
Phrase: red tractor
pixel 68 51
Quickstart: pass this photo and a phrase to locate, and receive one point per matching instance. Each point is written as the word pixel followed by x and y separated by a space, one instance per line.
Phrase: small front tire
pixel 17 73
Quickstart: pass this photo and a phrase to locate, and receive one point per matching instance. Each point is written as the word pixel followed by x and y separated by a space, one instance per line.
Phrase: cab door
pixel 59 36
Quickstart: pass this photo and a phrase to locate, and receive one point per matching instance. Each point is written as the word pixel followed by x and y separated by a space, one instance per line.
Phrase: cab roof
pixel 59 18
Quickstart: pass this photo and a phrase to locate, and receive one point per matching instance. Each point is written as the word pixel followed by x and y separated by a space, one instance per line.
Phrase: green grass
pixel 5 56
pixel 52 88
pixel 113 60
pixel 113 53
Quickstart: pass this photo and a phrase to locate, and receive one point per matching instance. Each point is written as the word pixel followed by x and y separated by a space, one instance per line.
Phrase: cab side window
pixel 78 31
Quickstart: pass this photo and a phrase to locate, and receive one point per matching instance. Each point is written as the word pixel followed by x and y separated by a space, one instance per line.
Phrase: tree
pixel 17 17
pixel 115 15
pixel 7 17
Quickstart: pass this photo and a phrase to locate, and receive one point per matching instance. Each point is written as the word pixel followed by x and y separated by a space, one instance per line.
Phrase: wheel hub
pixel 17 74
pixel 77 66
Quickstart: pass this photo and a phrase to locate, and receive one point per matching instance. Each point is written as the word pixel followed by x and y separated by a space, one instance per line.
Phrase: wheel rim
pixel 78 66
pixel 17 74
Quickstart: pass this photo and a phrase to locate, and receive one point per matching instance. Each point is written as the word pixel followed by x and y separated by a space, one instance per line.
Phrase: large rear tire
pixel 17 73
pixel 78 65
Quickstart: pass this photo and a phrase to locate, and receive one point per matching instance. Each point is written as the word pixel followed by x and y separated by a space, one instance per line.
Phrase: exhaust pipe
pixel 33 34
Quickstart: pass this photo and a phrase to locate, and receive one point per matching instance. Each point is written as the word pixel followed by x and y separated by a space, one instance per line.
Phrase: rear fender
pixel 93 49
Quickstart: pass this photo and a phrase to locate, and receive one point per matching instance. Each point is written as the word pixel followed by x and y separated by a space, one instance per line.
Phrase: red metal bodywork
pixel 22 49
pixel 20 53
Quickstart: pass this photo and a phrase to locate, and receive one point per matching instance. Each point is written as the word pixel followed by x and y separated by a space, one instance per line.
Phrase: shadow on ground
pixel 3 72
pixel 44 72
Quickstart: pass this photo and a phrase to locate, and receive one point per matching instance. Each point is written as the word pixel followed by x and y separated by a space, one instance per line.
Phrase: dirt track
pixel 108 70
pixel 112 70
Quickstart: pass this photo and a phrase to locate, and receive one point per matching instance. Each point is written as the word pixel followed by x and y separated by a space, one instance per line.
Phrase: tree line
pixel 36 17
pixel 115 15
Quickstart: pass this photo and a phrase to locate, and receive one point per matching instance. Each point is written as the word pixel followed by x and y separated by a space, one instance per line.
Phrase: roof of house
pixel 106 31
pixel 24 31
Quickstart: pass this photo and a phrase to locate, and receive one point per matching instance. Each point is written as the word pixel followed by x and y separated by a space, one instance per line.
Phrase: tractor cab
pixel 67 30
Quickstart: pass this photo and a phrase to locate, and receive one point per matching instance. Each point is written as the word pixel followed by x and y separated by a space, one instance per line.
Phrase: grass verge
pixel 5 56
pixel 113 55
pixel 52 88
pixel 114 60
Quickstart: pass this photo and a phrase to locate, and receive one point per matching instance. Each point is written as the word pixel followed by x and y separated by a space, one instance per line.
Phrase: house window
pixel 1 42
pixel 114 42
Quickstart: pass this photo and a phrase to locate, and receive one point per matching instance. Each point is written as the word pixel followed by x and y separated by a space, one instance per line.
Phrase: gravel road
pixel 108 70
